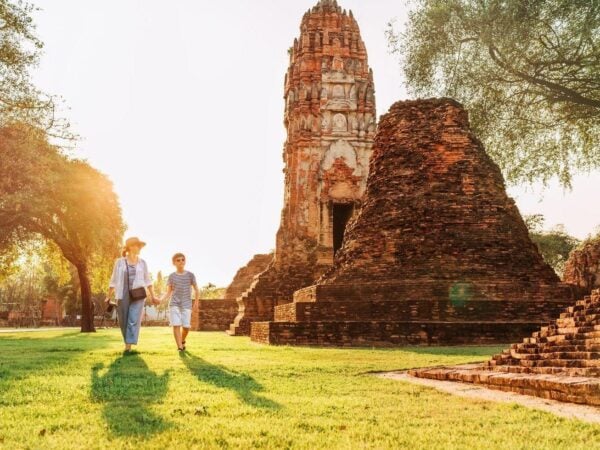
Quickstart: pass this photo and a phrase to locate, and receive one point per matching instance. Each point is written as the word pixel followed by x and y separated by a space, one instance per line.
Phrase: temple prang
pixel 330 120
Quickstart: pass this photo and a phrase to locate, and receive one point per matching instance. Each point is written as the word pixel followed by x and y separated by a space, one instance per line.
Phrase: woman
pixel 129 273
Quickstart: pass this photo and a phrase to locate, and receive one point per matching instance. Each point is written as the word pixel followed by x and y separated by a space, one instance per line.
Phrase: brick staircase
pixel 571 345
pixel 560 361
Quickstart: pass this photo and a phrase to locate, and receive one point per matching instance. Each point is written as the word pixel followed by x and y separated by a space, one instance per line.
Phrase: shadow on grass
pixel 243 385
pixel 127 389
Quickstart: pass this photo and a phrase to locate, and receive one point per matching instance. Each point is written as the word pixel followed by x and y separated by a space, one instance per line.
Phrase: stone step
pixel 577 389
pixel 563 371
pixel 559 363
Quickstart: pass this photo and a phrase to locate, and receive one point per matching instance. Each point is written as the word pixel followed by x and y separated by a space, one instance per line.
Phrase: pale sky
pixel 180 103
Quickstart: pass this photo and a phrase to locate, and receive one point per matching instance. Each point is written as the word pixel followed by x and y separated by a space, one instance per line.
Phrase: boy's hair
pixel 177 255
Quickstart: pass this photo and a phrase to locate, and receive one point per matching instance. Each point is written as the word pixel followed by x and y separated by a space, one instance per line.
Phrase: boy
pixel 179 289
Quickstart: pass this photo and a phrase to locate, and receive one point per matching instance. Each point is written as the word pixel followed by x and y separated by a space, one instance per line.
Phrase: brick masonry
pixel 560 361
pixel 437 251
pixel 583 267
pixel 330 120
pixel 213 315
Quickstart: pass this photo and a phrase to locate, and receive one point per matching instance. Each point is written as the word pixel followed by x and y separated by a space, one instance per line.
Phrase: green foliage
pixel 211 292
pixel 527 71
pixel 232 393
pixel 20 50
pixel 555 245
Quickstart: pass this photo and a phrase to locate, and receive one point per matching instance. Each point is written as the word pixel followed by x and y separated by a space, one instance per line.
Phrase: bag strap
pixel 127 269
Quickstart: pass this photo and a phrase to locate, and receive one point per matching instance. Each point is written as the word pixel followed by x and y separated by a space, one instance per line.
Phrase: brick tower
pixel 330 121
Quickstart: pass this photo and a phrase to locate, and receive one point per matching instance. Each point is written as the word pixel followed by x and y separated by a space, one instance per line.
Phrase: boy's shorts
pixel 180 317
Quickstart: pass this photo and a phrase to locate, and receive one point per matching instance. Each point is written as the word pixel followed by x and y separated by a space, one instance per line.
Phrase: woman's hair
pixel 177 255
pixel 125 251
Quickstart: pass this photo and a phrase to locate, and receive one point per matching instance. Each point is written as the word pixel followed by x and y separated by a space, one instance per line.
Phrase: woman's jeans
pixel 130 318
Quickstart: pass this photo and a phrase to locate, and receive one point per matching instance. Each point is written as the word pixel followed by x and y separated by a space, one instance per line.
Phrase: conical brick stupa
pixel 437 254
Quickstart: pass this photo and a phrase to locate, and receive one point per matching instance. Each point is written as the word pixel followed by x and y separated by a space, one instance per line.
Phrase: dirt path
pixel 568 410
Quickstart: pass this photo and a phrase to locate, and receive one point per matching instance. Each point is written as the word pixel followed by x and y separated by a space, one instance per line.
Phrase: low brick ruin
pixel 583 266
pixel 438 253
pixel 330 121
pixel 559 362
pixel 213 314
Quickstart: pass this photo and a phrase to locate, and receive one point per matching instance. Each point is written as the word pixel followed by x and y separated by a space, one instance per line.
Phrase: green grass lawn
pixel 62 389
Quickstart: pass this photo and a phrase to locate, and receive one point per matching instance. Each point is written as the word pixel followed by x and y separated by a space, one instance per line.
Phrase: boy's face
pixel 179 262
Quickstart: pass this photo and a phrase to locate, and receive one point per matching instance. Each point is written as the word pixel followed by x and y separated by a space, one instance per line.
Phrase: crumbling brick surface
pixel 436 209
pixel 330 120
pixel 560 361
pixel 583 267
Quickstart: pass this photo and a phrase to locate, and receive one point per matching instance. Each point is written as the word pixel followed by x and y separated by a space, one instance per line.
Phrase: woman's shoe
pixel 183 345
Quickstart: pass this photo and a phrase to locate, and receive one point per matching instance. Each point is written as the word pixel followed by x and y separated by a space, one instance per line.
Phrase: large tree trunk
pixel 87 312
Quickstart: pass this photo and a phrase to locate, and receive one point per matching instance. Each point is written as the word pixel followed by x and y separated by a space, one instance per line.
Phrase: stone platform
pixel 560 361
pixel 444 315
pixel 382 333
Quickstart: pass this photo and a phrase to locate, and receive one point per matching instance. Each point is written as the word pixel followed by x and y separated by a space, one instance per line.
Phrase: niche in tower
pixel 341 214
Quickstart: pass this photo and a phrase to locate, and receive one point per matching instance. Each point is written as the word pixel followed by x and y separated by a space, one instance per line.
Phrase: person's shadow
pixel 243 385
pixel 127 389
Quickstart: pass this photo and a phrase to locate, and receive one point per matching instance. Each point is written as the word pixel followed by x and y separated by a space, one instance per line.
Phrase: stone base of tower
pixel 560 361
pixel 272 288
pixel 399 314
pixel 379 333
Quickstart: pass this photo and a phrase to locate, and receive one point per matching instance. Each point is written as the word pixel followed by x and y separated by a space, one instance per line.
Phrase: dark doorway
pixel 341 215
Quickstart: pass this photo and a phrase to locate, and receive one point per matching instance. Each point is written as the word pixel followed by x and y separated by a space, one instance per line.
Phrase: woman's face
pixel 134 249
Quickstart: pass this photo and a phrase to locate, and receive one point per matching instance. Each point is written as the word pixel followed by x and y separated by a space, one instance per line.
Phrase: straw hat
pixel 133 241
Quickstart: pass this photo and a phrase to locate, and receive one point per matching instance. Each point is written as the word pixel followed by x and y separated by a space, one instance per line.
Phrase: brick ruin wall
pixel 583 267
pixel 213 315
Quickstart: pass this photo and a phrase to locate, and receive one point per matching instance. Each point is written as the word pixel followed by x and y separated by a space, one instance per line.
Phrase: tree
pixel 555 245
pixel 528 72
pixel 20 50
pixel 211 291
pixel 45 194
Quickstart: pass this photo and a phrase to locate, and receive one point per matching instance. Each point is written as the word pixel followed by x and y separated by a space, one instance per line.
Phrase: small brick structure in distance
pixel 559 362
pixel 213 314
pixel 438 253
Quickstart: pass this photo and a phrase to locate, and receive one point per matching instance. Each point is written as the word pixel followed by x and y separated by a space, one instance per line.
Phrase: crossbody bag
pixel 137 293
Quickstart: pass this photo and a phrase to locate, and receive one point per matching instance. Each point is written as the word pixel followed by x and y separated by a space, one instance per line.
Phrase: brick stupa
pixel 330 122
pixel 438 254
pixel 558 362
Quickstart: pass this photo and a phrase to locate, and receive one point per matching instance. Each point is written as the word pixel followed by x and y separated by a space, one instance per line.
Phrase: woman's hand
pixel 155 301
